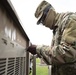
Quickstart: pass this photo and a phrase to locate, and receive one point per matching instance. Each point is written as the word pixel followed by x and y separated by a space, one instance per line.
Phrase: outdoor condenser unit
pixel 13 42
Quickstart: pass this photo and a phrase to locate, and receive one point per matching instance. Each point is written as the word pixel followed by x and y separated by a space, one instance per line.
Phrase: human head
pixel 46 14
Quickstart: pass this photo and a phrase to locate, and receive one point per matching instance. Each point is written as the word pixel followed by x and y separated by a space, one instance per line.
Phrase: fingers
pixel 32 49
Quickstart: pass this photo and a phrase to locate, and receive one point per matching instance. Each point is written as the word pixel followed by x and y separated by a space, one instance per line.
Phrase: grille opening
pixel 2 66
pixel 22 66
pixel 10 67
pixel 17 66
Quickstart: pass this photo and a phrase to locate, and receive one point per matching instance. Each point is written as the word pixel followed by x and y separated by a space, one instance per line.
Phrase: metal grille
pixel 10 67
pixel 22 66
pixel 17 66
pixel 2 66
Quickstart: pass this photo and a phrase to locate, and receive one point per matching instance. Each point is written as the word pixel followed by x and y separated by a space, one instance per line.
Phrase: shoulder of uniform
pixel 66 16
pixel 73 16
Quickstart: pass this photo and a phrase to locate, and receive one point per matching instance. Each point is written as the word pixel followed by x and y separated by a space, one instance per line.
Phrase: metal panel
pixel 49 69
pixel 27 63
pixel 34 65
pixel 13 42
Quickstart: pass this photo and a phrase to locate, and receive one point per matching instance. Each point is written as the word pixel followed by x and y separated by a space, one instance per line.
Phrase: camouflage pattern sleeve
pixel 65 52
pixel 43 52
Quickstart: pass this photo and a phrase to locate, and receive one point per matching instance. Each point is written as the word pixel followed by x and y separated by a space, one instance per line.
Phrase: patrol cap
pixel 42 10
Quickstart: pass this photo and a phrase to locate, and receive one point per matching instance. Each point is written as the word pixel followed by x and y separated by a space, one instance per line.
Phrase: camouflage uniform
pixel 62 53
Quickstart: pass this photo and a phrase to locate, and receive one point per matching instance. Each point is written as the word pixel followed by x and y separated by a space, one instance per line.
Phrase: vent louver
pixel 2 66
pixel 22 66
pixel 10 68
pixel 17 66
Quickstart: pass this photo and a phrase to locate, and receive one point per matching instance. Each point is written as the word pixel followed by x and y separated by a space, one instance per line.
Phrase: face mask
pixel 49 20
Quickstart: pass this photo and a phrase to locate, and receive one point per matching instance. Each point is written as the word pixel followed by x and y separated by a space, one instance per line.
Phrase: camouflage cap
pixel 46 14
pixel 40 8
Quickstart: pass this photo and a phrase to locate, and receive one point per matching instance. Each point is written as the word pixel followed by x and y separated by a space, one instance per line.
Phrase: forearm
pixel 43 52
pixel 58 55
pixel 63 53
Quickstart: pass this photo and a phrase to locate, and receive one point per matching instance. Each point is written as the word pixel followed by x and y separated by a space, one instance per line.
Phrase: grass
pixel 37 60
pixel 41 70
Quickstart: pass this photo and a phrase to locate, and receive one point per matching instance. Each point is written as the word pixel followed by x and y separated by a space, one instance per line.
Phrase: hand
pixel 32 49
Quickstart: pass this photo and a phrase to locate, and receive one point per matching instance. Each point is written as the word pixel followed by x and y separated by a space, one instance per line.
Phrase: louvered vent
pixel 17 66
pixel 2 66
pixel 22 66
pixel 10 67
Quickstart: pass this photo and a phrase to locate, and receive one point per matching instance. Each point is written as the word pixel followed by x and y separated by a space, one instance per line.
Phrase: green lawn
pixel 37 60
pixel 41 70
